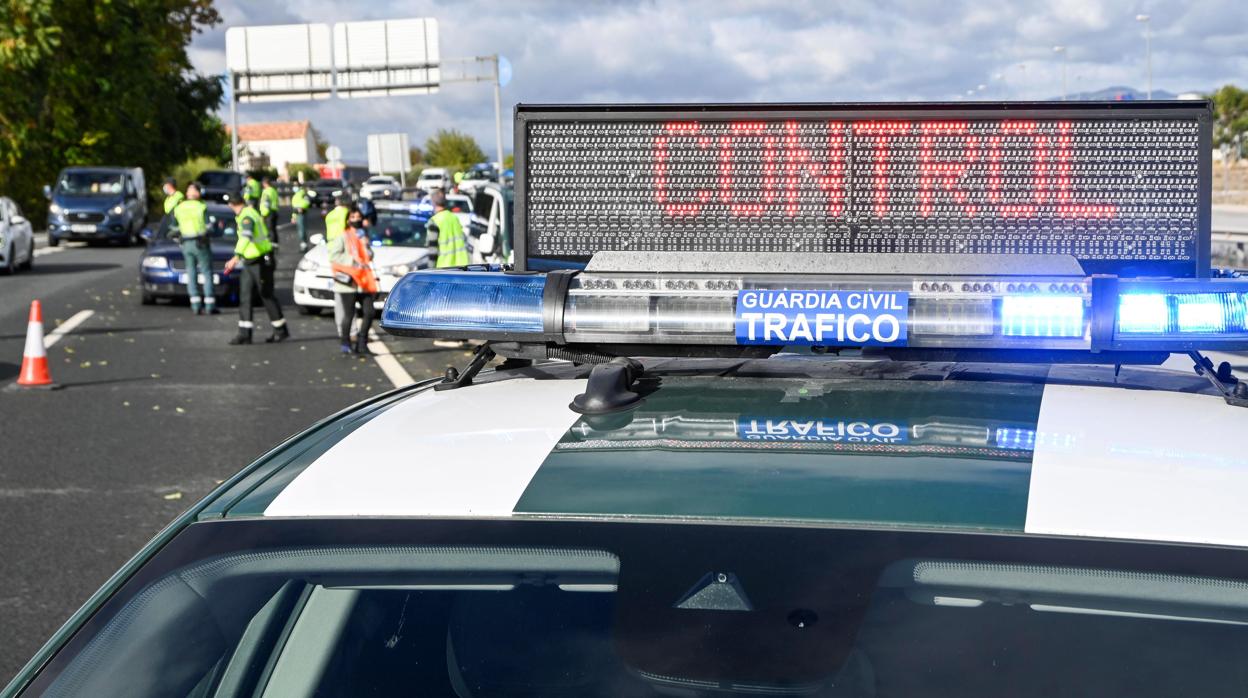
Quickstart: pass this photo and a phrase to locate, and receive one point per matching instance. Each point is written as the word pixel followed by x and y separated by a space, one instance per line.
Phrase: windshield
pixel 220 224
pixel 395 229
pixel 91 184
pixel 459 204
pixel 546 608
pixel 381 180
pixel 328 184
pixel 220 179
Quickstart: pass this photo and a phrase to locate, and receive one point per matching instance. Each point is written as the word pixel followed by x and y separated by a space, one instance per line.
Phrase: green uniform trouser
pixel 301 226
pixel 256 280
pixel 198 256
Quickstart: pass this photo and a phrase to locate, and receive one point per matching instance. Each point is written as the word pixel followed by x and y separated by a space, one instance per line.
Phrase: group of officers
pixel 355 283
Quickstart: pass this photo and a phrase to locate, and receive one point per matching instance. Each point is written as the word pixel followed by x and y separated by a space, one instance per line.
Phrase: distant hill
pixel 1118 93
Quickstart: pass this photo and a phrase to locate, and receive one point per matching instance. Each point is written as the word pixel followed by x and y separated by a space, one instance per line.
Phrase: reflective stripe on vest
pixel 190 217
pixel 452 247
pixel 258 244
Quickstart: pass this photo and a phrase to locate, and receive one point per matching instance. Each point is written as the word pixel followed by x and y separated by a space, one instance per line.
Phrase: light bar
pixel 599 308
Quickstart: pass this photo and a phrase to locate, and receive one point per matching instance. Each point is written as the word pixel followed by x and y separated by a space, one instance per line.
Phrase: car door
pixel 22 232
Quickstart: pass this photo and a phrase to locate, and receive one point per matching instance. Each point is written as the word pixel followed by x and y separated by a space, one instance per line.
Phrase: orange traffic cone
pixel 35 358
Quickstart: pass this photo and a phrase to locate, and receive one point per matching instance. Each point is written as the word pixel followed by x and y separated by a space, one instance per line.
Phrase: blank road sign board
pixel 388 57
pixel 281 62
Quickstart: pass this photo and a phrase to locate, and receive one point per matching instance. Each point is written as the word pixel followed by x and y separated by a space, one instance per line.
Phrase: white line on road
pixel 66 327
pixel 48 250
pixel 387 363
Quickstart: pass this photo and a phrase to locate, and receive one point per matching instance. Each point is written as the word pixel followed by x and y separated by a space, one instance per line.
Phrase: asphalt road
pixel 1228 218
pixel 156 411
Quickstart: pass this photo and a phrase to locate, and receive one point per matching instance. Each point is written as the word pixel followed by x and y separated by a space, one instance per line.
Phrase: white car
pixel 381 187
pixel 461 206
pixel 434 178
pixel 399 246
pixel 17 240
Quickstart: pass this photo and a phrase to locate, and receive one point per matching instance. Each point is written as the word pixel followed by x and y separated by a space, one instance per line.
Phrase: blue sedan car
pixel 162 272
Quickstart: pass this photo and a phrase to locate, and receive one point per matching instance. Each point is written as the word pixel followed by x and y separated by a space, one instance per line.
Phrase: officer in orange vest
pixel 354 281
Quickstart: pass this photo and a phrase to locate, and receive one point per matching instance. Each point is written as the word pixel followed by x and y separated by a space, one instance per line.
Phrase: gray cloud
pixel 741 50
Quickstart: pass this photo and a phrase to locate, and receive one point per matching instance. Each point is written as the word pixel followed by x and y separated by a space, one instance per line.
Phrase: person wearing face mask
pixel 354 282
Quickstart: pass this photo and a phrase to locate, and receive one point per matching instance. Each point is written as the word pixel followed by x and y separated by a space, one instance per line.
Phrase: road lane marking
pixel 387 363
pixel 66 327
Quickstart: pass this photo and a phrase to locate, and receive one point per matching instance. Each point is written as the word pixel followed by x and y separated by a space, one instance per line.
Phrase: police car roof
pixel 1146 455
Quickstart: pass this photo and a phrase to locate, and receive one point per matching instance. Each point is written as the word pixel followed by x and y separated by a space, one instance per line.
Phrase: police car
pixel 901 472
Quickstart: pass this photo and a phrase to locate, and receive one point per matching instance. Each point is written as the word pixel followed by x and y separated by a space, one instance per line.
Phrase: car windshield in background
pixel 220 224
pixel 619 609
pixel 381 180
pixel 219 179
pixel 328 185
pixel 90 184
pixel 462 203
pixel 397 230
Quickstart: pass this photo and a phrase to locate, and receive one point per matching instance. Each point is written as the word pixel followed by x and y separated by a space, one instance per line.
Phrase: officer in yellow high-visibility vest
pixel 336 220
pixel 191 228
pixel 254 252
pixel 299 205
pixel 251 191
pixel 173 197
pixel 268 208
pixel 447 244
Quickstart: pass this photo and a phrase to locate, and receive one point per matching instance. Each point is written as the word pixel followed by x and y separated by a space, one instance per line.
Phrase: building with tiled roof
pixel 280 143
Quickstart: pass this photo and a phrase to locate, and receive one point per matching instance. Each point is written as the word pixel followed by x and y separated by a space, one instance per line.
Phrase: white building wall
pixel 282 153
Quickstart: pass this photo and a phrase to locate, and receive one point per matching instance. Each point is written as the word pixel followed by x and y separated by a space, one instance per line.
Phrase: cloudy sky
pixel 741 50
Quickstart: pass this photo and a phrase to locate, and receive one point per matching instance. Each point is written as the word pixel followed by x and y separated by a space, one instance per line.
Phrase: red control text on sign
pixel 1013 169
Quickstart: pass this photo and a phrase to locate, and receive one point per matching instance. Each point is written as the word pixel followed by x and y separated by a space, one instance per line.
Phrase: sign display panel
pixel 1122 188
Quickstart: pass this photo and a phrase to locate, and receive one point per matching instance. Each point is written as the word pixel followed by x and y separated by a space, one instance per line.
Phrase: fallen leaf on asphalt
pixel 155 375
pixel 179 410
pixel 173 495
pixel 125 403
pixel 346 385
pixel 85 364
pixel 104 363
pixel 125 291
pixel 155 408
pixel 294 409
pixel 69 350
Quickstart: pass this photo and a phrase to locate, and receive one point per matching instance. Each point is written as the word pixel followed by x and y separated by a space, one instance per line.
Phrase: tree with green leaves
pixel 101 82
pixel 453 149
pixel 1230 114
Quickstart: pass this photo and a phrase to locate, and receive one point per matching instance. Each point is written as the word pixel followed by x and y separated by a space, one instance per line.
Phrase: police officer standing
pixel 254 252
pixel 299 205
pixel 268 208
pixel 447 244
pixel 354 282
pixel 173 197
pixel 192 230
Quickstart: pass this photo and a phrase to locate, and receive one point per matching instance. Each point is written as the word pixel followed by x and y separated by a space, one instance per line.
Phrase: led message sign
pixel 1124 189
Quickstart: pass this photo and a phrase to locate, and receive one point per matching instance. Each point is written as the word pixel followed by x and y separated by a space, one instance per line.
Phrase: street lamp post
pixel 1148 50
pixel 1062 50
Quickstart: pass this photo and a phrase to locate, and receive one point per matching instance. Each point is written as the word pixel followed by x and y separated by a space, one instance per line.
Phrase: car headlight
pixel 306 264
pixel 155 262
pixel 54 209
pixel 118 210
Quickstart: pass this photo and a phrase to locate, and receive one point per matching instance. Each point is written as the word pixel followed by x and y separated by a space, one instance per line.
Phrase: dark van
pixel 97 203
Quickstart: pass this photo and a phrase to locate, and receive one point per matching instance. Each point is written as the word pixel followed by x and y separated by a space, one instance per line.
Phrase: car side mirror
pixel 47 191
pixel 316 239
pixel 147 234
pixel 18 220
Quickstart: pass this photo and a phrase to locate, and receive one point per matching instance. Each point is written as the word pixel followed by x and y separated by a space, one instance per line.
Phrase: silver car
pixel 17 239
